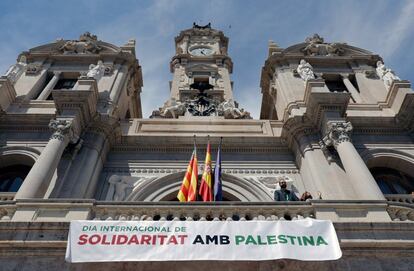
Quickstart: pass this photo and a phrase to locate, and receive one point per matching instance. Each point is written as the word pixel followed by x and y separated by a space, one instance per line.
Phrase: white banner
pixel 106 241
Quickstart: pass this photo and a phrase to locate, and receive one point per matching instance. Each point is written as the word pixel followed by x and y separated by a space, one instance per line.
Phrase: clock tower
pixel 201 84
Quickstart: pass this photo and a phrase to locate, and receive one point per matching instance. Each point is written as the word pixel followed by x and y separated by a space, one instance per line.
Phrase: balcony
pixel 64 210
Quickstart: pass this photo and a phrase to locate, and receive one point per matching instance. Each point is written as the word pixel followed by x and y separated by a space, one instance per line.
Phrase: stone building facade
pixel 334 121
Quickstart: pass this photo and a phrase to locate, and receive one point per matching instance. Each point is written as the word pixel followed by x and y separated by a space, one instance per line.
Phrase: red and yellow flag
pixel 187 190
pixel 206 186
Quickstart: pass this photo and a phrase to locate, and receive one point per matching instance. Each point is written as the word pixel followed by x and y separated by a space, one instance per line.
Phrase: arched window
pixel 392 181
pixel 11 177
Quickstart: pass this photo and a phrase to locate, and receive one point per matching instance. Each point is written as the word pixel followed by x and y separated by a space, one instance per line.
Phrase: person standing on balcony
pixel 284 194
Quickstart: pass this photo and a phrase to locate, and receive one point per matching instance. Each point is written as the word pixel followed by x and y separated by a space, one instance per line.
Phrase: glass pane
pixel 384 187
pixel 17 182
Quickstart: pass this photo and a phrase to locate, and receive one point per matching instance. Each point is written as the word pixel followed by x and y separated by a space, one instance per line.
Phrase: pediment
pixel 326 49
pixel 73 47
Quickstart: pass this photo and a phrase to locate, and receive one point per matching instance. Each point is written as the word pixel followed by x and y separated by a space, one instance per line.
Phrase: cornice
pixel 170 147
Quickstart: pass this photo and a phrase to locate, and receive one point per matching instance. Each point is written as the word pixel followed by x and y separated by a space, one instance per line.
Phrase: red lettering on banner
pixel 145 239
pixel 172 240
pixel 133 240
pixel 83 239
pixel 94 239
pixel 104 242
pixel 182 238
pixel 121 239
pixel 162 239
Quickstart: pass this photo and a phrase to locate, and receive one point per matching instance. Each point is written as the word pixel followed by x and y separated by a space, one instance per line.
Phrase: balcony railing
pixel 202 211
pixel 402 198
pixel 7 196
pixel 63 210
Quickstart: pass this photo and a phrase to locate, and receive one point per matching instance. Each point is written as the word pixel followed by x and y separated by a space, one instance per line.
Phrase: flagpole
pixel 217 188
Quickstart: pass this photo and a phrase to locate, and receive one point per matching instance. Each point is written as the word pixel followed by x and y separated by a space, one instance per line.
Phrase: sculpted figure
pixel 14 72
pixel 386 75
pixel 87 44
pixel 121 187
pixel 305 70
pixel 229 110
pixel 175 109
pixel 96 71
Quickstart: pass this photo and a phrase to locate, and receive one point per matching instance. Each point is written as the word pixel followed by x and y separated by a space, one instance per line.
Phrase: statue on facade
pixel 122 187
pixel 229 110
pixel 87 44
pixel 385 74
pixel 173 109
pixel 16 70
pixel 316 46
pixel 96 71
pixel 305 70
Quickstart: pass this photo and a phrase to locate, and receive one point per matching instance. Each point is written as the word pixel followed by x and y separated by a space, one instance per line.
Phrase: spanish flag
pixel 189 185
pixel 206 192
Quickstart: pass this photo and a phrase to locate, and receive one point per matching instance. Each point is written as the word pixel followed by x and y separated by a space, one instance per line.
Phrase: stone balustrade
pixel 401 207
pixel 205 211
pixel 403 198
pixel 63 210
pixel 7 196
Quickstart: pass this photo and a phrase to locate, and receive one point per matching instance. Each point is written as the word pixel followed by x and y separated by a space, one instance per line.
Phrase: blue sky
pixel 383 27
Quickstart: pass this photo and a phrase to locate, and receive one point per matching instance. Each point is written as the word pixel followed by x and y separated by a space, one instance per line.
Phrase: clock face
pixel 201 51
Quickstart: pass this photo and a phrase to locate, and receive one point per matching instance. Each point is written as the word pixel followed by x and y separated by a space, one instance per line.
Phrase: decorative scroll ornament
pixel 337 132
pixel 87 44
pixel 60 128
pixel 317 47
pixel 385 74
pixel 33 68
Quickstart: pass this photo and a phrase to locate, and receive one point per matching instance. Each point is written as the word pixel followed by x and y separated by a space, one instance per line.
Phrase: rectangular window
pixel 65 83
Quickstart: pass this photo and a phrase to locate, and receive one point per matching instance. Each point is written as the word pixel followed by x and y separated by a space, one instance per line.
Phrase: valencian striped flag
pixel 206 186
pixel 188 190
pixel 218 192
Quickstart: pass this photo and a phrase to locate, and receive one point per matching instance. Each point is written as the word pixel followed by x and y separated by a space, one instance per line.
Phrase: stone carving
pixel 121 187
pixel 60 129
pixel 87 44
pixel 16 70
pixel 315 38
pixel 207 26
pixel 386 75
pixel 174 109
pixel 305 70
pixel 317 47
pixel 109 69
pixel 229 110
pixel 337 132
pixel 96 71
pixel 273 182
pixel 202 105
pixel 33 68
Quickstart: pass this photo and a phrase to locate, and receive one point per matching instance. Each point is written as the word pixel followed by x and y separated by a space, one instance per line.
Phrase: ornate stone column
pixel 39 177
pixel 337 134
pixel 49 87
pixel 350 87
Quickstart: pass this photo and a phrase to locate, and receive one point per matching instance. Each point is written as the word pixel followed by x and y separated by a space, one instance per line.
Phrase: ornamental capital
pixel 60 128
pixel 337 132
